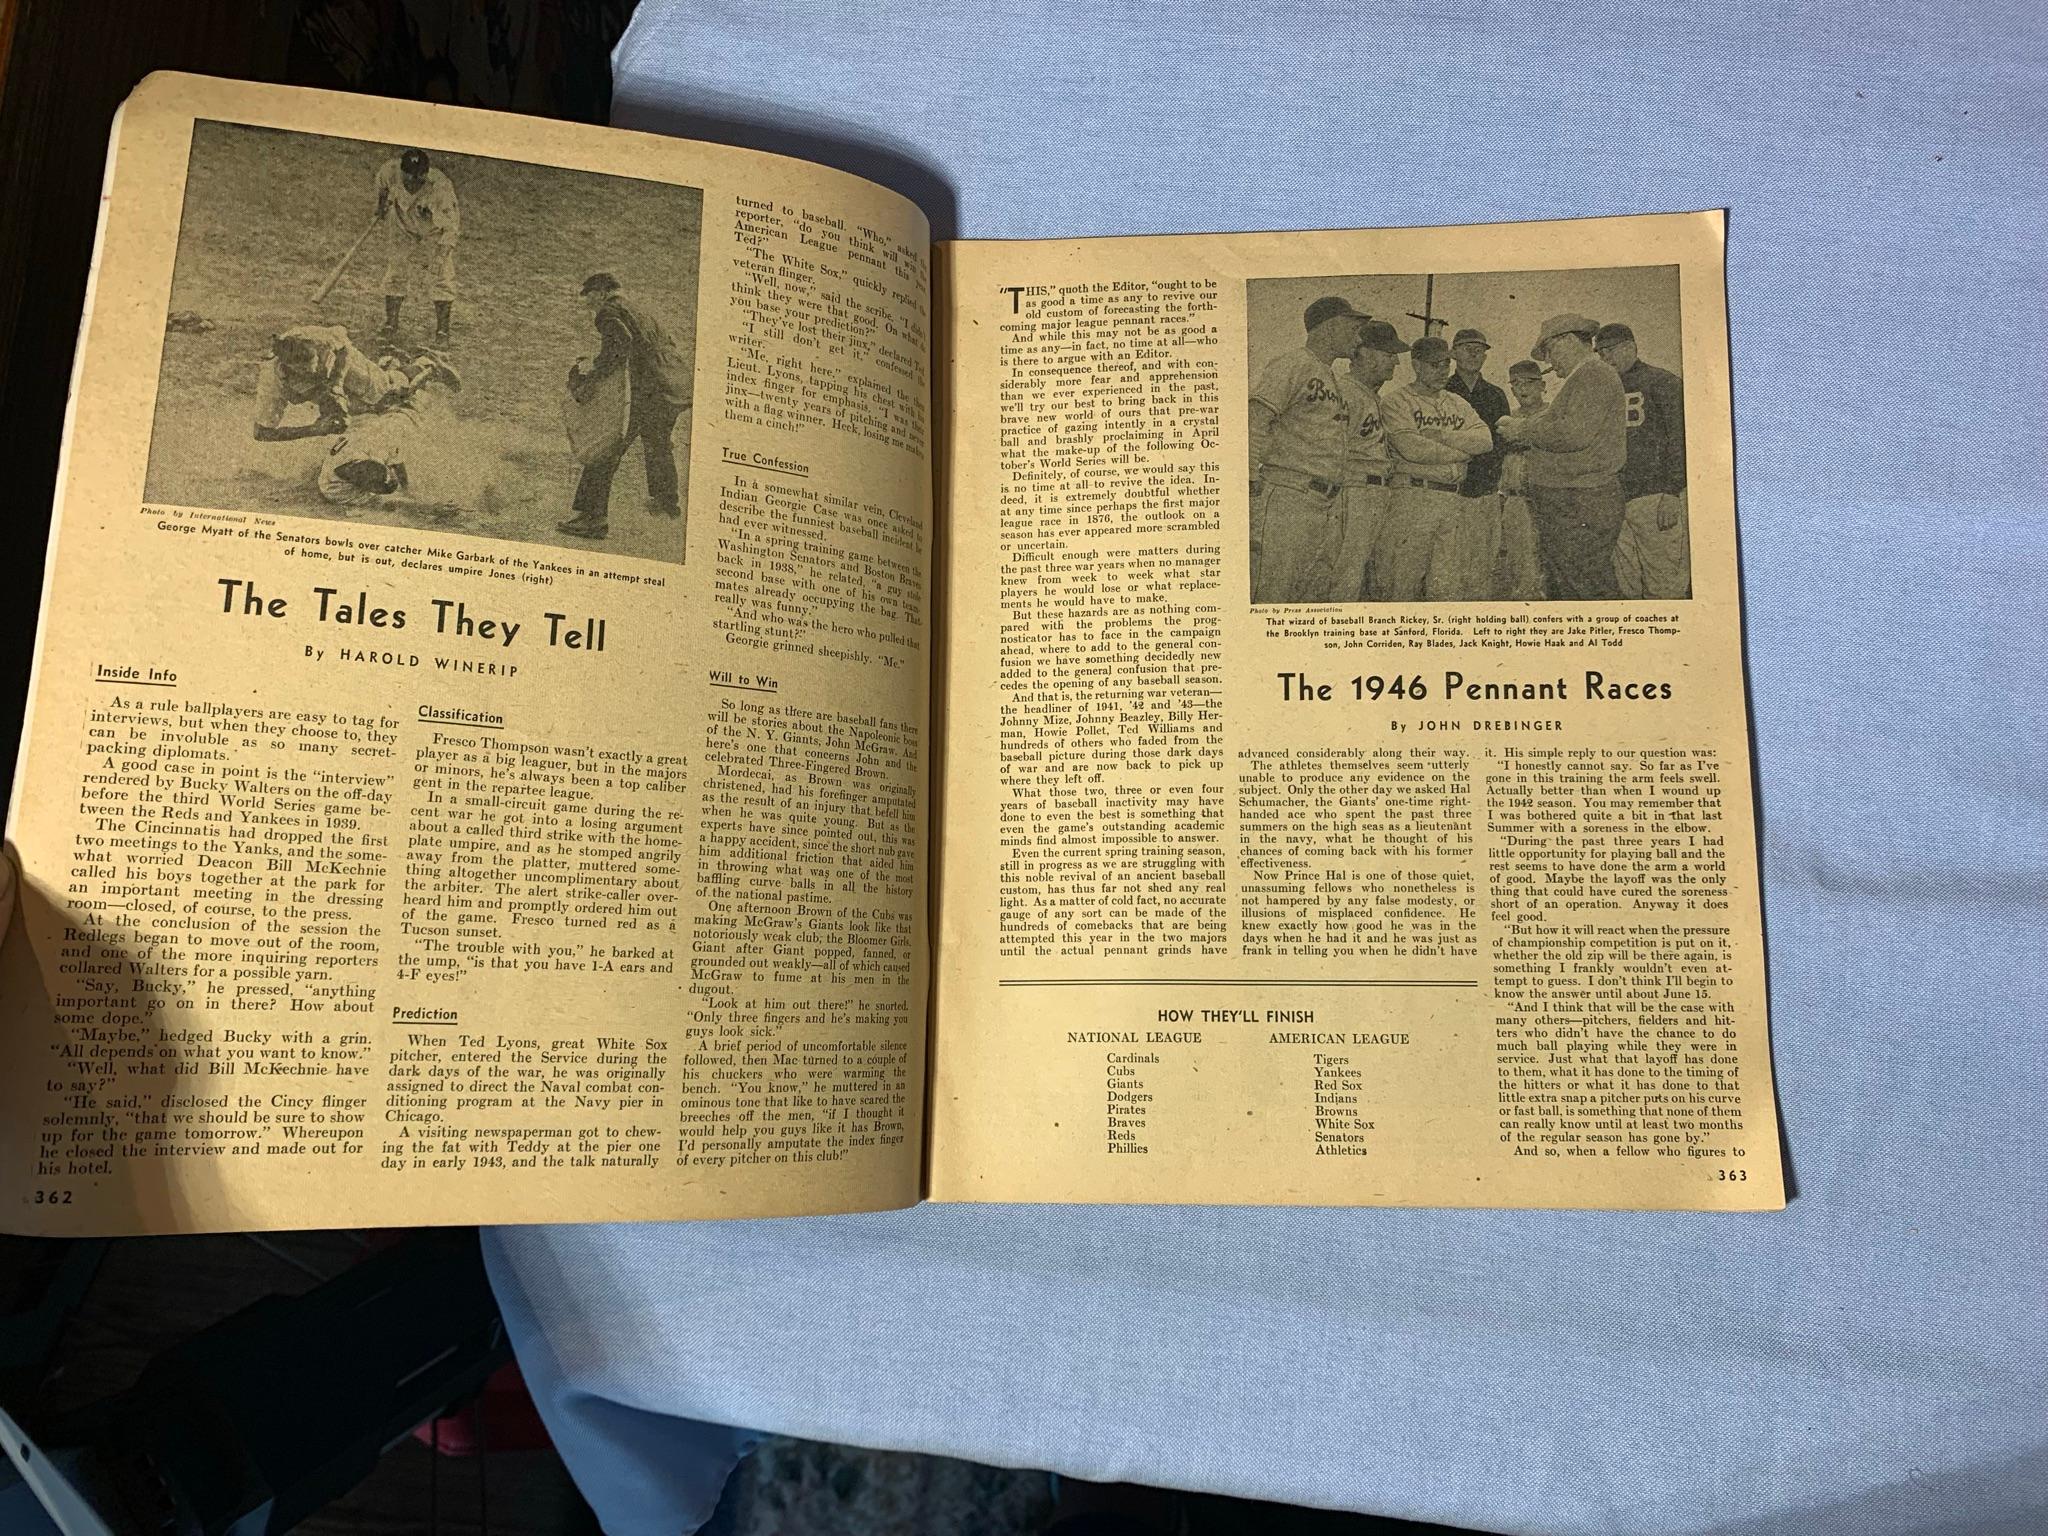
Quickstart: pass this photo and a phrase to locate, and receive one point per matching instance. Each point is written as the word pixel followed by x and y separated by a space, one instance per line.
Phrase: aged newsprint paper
pixel 1346 776
pixel 478 743
pixel 590 677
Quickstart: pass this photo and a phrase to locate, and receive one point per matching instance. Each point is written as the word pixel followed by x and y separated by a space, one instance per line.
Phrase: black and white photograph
pixel 396 334
pixel 1468 437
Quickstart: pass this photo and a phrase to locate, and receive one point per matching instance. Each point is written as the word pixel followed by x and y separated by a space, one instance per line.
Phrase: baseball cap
pixel 1525 370
pixel 1469 334
pixel 600 282
pixel 1381 337
pixel 1561 325
pixel 1612 332
pixel 1430 349
pixel 413 161
pixel 1329 309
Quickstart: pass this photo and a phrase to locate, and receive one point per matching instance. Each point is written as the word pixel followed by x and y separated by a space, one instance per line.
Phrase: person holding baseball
pixel 1575 452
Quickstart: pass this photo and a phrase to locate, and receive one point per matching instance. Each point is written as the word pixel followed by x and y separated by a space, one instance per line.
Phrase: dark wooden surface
pixel 150 1293
pixel 72 62
pixel 67 66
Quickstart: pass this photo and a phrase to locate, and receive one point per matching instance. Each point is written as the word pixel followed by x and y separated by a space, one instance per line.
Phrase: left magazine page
pixel 475 761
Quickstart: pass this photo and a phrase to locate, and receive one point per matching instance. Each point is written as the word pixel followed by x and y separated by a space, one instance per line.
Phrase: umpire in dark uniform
pixel 658 376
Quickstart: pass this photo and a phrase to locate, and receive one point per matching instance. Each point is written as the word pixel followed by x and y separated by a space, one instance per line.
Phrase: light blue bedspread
pixel 1875 1359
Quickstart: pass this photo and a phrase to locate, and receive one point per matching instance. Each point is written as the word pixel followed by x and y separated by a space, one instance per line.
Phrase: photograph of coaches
pixel 1387 466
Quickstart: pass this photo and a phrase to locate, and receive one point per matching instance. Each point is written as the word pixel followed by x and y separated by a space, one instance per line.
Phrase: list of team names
pixel 1341 1126
pixel 1131 1077
pixel 1140 1065
pixel 1130 1094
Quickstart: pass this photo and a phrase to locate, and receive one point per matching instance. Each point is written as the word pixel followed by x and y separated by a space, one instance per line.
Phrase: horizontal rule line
pixel 1210 981
pixel 773 469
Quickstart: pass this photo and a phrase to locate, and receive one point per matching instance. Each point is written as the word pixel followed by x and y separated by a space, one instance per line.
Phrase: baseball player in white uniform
pixel 1299 421
pixel 391 458
pixel 1425 547
pixel 422 222
pixel 1363 502
pixel 318 365
pixel 1518 571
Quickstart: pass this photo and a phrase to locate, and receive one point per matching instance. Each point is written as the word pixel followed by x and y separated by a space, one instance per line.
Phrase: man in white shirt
pixel 1425 547
pixel 1575 451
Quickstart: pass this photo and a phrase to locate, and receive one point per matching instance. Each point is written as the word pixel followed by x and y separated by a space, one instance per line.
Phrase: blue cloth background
pixel 1873 1360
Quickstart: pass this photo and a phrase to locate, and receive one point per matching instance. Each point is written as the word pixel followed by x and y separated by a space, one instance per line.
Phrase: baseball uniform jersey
pixel 1363 501
pixel 1310 416
pixel 390 439
pixel 431 212
pixel 1653 555
pixel 419 227
pixel 1518 571
pixel 1428 541
pixel 1294 517
pixel 336 367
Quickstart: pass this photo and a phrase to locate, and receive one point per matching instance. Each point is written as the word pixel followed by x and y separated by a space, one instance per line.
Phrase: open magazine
pixel 585 676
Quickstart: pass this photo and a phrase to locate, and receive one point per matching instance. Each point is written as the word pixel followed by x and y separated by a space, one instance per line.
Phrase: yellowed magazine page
pixel 1347 777
pixel 476 763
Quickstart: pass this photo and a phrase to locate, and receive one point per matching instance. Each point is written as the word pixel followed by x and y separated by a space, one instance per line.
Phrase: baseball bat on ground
pixel 341 266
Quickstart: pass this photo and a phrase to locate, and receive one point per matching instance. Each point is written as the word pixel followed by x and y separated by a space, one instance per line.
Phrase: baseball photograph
pixel 1468 437
pixel 399 335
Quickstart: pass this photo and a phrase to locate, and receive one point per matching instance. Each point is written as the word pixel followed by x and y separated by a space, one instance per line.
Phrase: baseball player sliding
pixel 393 457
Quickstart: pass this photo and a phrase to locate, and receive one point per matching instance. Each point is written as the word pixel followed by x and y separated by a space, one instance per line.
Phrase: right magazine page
pixel 1346 767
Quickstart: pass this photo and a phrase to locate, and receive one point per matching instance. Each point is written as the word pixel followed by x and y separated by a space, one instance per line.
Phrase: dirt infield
pixel 267 214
